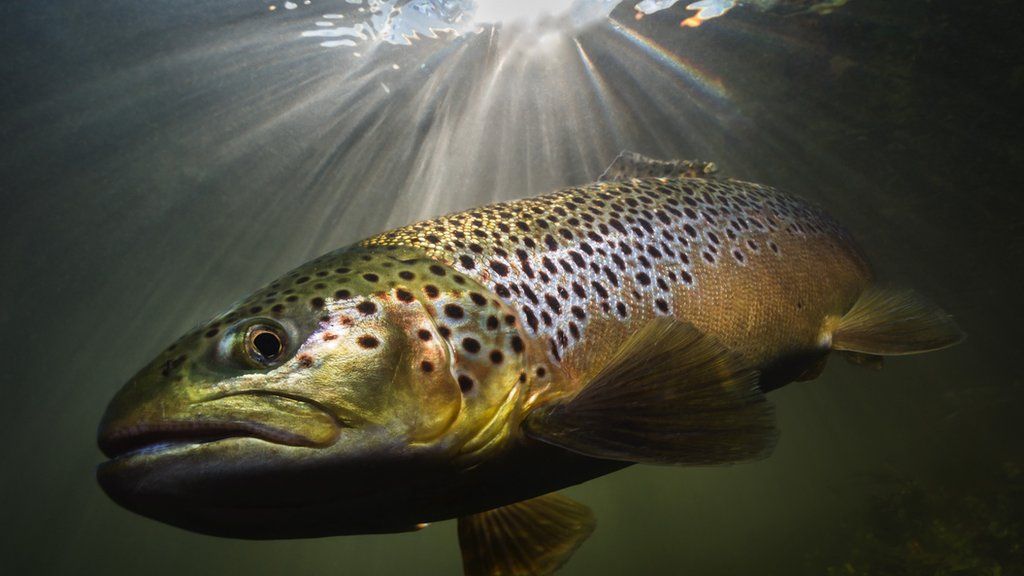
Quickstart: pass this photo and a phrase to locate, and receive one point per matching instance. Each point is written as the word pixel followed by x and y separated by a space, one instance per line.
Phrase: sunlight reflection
pixel 404 21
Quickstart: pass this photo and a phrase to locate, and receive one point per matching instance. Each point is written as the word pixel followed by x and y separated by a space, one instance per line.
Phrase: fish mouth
pixel 151 439
pixel 281 420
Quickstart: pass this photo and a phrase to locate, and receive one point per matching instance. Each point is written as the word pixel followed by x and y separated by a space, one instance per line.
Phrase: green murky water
pixel 159 160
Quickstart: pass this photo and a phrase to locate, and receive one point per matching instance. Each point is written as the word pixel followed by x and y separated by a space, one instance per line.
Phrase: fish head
pixel 334 401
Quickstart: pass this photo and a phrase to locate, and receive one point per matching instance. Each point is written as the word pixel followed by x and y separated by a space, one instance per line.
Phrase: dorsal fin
pixel 632 165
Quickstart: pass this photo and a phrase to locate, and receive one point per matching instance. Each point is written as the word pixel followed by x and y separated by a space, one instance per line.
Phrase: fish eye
pixel 264 344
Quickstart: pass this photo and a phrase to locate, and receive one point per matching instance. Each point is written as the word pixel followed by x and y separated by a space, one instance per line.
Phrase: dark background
pixel 159 160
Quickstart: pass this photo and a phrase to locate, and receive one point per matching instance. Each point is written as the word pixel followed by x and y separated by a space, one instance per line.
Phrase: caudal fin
pixel 888 322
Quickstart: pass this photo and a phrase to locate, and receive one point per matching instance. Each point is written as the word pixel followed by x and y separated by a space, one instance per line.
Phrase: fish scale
pixel 621 253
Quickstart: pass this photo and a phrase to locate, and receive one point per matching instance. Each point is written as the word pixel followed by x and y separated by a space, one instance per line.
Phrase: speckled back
pixel 757 268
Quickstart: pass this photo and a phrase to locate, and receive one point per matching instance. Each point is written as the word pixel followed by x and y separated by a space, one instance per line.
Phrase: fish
pixel 471 366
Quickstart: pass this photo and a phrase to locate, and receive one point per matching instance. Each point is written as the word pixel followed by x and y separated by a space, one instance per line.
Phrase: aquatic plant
pixel 960 528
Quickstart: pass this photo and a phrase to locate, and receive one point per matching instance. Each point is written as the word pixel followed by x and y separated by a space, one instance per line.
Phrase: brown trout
pixel 470 366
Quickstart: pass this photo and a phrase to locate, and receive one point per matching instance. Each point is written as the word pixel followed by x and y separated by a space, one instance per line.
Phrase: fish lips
pixel 291 470
pixel 249 488
pixel 211 451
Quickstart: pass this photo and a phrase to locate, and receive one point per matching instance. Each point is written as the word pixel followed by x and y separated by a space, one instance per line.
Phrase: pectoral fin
pixel 670 395
pixel 530 538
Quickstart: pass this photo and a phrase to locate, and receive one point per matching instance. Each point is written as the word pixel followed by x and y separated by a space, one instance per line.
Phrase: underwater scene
pixel 512 287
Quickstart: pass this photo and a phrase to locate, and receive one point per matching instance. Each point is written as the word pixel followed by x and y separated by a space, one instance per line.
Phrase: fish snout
pixel 151 427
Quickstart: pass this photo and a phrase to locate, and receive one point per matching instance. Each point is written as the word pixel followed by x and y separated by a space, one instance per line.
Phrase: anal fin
pixel 670 395
pixel 530 538
pixel 632 165
pixel 814 370
pixel 887 322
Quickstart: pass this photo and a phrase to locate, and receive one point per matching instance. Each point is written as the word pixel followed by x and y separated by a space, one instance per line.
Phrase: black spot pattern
pixel 621 250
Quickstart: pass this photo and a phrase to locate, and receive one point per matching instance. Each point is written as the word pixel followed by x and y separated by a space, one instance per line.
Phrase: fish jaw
pixel 250 488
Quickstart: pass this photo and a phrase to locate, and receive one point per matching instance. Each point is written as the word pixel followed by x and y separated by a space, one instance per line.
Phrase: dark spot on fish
pixel 499 267
pixel 317 303
pixel 574 330
pixel 367 307
pixel 212 332
pixel 471 345
pixel 404 295
pixel 368 341
pixel 406 275
pixel 531 318
pixel 342 295
pixel 541 371
pixel 477 299
pixel 454 311
pixel 492 323
pixel 444 331
pixel 553 303
pixel 302 280
pixel 467 262
pixel 437 270
pixel 424 335
pixel 427 366
pixel 431 291
pixel 545 317
pixel 371 277
pixel 497 357
pixel 465 383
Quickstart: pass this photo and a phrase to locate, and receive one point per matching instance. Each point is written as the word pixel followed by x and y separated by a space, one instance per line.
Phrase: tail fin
pixel 887 322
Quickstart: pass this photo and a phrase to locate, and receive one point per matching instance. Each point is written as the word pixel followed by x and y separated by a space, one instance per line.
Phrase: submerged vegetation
pixel 961 528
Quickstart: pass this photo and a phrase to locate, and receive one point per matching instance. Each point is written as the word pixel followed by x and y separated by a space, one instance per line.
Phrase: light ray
pixel 704 82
